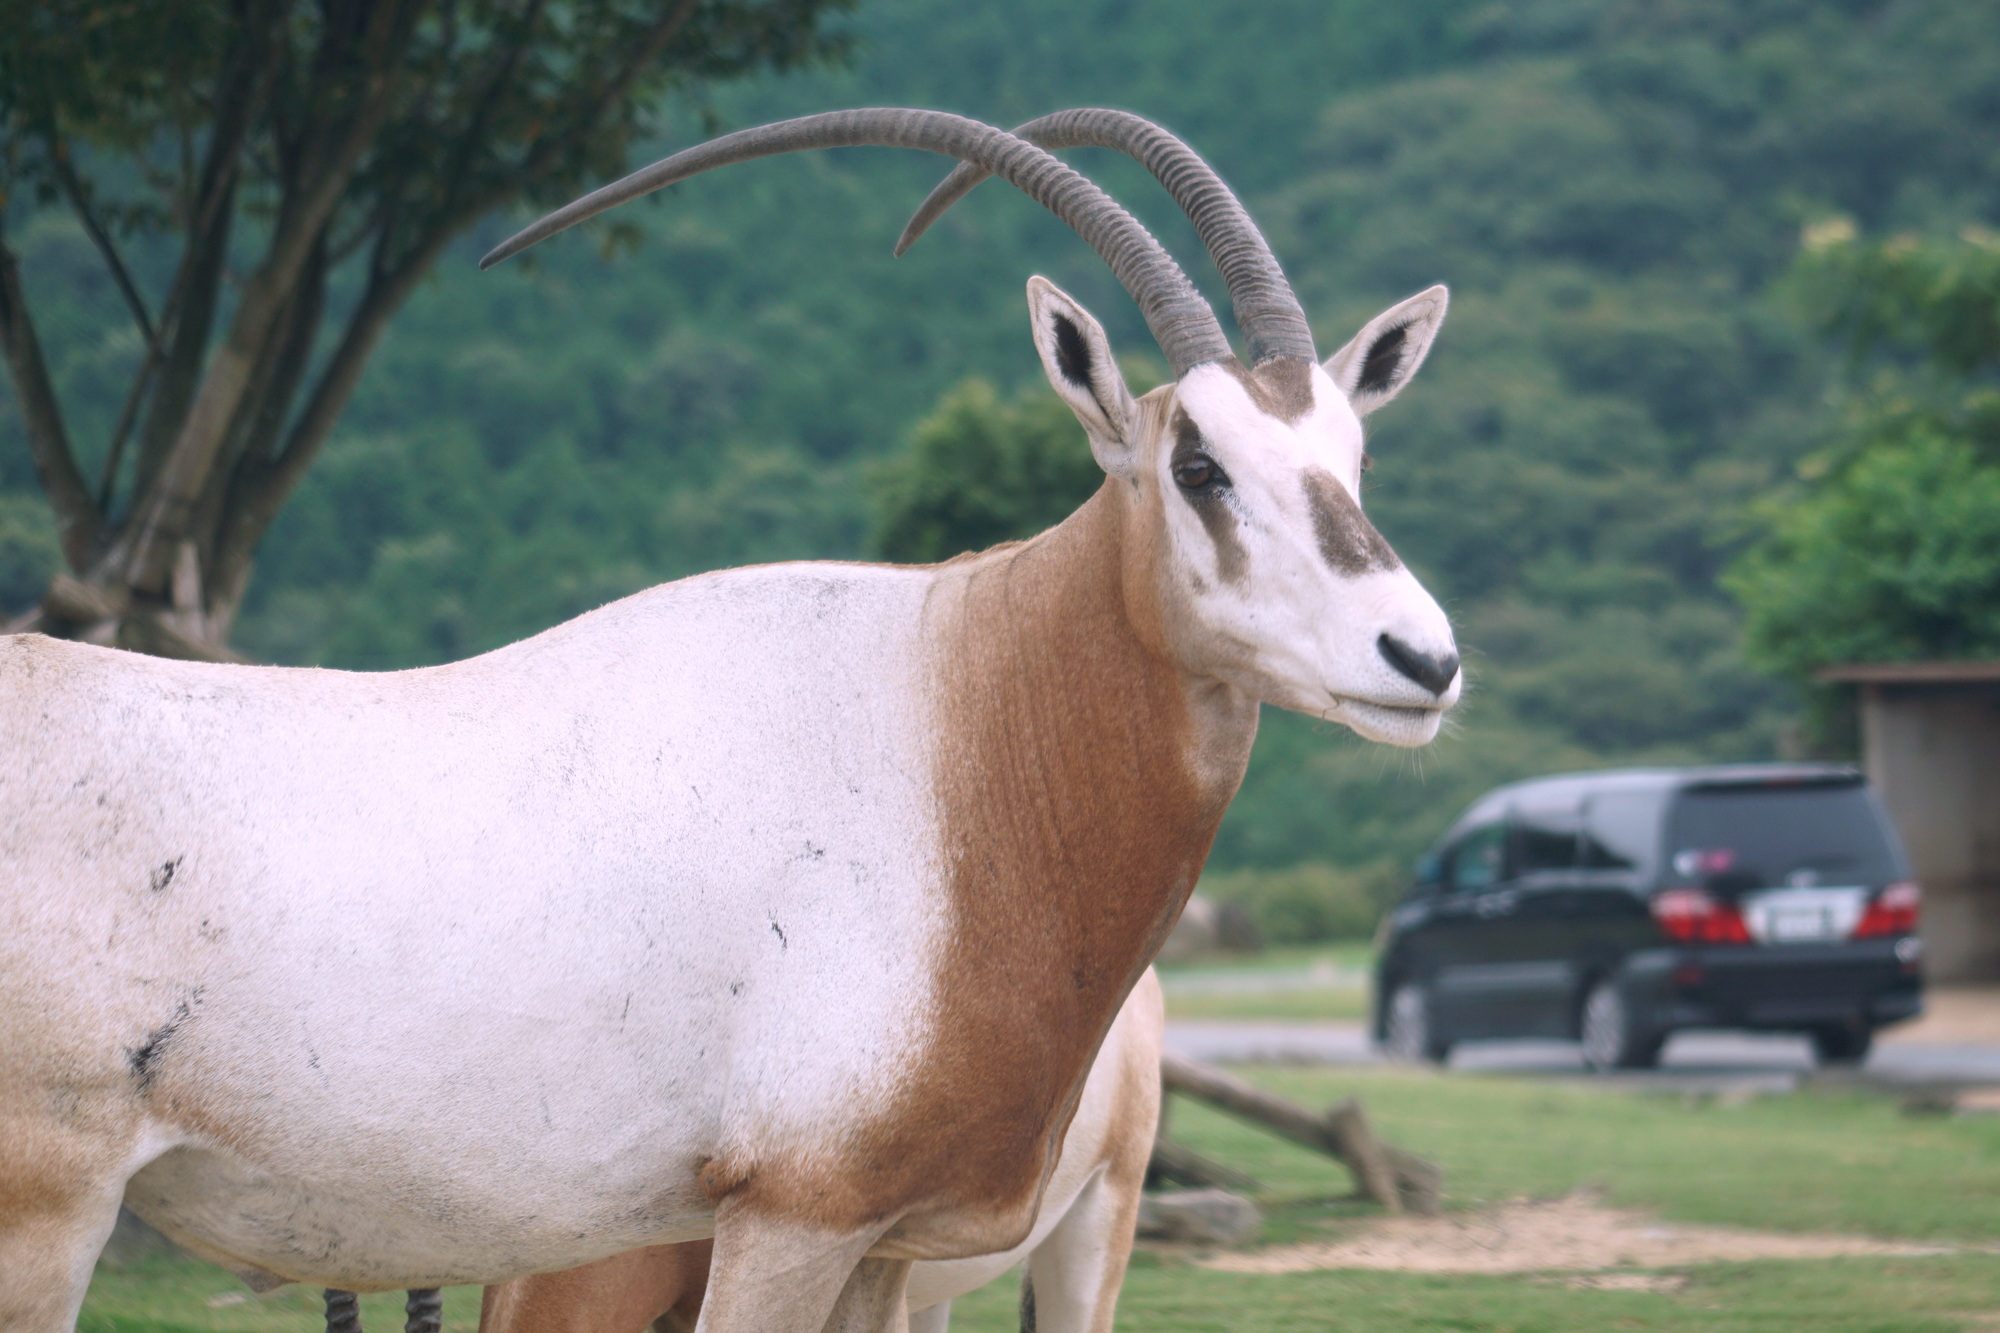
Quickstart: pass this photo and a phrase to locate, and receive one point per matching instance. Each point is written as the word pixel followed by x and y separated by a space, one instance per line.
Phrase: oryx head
pixel 1248 478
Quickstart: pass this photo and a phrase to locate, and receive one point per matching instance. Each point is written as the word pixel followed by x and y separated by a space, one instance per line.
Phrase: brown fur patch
pixel 625 1293
pixel 1280 388
pixel 720 1178
pixel 58 1186
pixel 1348 542
pixel 1075 818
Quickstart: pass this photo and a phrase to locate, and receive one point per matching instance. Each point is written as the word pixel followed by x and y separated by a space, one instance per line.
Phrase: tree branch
pixel 489 95
pixel 191 303
pixel 107 477
pixel 643 55
pixel 615 90
pixel 274 382
pixel 78 522
pixel 79 202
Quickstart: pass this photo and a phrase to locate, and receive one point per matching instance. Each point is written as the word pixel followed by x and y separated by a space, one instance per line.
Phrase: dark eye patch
pixel 1208 498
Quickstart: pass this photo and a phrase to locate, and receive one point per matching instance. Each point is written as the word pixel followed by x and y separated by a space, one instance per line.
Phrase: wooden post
pixel 1419 1180
pixel 1362 1152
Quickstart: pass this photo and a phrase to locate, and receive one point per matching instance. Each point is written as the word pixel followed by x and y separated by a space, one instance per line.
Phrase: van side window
pixel 1476 860
pixel 1620 831
pixel 1544 839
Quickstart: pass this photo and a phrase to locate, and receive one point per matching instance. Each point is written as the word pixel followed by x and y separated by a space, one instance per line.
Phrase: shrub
pixel 1307 903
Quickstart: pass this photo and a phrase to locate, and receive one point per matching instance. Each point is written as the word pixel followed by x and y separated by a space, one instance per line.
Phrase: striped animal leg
pixel 343 1311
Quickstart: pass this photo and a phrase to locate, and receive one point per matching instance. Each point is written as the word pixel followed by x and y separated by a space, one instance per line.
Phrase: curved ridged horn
pixel 1269 314
pixel 1180 319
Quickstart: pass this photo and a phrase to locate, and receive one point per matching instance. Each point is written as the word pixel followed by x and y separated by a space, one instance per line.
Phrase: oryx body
pixel 785 904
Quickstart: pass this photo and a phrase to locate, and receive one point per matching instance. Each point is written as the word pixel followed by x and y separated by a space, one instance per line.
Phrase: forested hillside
pixel 1609 188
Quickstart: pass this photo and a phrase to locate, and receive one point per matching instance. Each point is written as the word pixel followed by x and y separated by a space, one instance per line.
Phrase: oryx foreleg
pixel 785 1277
pixel 58 1203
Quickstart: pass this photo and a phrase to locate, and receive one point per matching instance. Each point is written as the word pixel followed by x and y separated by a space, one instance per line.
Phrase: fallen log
pixel 1389 1176
pixel 1178 1164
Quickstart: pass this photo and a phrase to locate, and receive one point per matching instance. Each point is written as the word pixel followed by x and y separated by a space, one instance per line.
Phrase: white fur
pixel 401 900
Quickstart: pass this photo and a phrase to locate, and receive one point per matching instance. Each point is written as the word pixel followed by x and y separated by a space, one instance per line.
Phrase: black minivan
pixel 1616 908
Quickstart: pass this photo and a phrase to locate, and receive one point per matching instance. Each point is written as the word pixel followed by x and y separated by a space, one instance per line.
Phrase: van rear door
pixel 1799 859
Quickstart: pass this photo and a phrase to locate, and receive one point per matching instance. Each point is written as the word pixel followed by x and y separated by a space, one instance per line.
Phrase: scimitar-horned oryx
pixel 1075 1255
pixel 786 905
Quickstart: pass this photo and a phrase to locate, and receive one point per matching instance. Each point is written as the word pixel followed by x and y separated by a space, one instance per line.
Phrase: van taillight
pixel 1694 916
pixel 1894 912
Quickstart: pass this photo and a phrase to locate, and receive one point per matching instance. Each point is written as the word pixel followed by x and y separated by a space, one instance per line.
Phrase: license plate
pixel 1789 925
pixel 1803 916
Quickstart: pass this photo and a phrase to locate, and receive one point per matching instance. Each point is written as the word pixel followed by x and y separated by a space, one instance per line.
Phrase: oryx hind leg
pixel 1075 1273
pixel 785 1277
pixel 931 1319
pixel 1073 1276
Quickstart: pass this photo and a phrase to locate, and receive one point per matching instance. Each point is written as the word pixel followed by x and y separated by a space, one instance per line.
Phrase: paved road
pixel 1692 1059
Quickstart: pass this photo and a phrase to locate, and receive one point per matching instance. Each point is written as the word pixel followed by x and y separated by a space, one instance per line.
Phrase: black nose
pixel 1433 673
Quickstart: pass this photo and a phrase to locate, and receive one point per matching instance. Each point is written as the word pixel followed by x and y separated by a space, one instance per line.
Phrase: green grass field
pixel 1815 1160
pixel 1303 982
pixel 1809 1161
pixel 1827 1296
pixel 175 1295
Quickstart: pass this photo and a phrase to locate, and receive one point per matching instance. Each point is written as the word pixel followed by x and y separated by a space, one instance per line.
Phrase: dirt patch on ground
pixel 1576 1233
pixel 1954 1016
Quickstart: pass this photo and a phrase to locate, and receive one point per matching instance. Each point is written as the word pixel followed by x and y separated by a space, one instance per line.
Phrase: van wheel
pixel 1612 1038
pixel 1842 1045
pixel 1408 1036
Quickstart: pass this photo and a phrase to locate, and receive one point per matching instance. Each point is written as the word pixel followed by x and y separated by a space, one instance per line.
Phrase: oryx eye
pixel 1197 472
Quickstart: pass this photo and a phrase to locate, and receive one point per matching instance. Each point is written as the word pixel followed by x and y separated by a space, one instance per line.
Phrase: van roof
pixel 1565 787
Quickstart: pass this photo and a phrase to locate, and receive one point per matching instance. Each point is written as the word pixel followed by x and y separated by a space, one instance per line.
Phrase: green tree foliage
pixel 1890 550
pixel 1894 558
pixel 29 552
pixel 308 162
pixel 1611 187
pixel 980 471
pixel 1936 300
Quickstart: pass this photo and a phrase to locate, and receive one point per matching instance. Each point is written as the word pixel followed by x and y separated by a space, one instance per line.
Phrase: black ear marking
pixel 1384 359
pixel 1072 353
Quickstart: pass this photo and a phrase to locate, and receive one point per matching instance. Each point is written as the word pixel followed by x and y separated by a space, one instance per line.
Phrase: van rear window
pixel 1758 837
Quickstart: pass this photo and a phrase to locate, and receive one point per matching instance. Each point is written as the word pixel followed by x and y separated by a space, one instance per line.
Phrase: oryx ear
pixel 1374 367
pixel 1077 357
